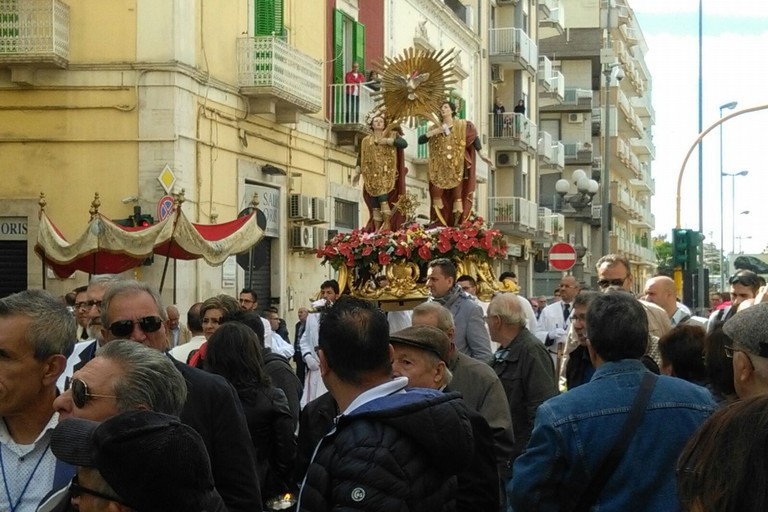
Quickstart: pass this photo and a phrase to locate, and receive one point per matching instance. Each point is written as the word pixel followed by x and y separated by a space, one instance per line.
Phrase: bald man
pixel 661 291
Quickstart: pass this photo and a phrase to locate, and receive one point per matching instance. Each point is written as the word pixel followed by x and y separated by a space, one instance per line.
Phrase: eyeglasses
pixel 744 280
pixel 76 490
pixel 80 393
pixel 81 305
pixel 605 283
pixel 90 303
pixel 123 328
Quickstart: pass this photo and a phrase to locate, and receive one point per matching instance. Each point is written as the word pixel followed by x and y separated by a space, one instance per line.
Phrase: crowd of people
pixel 598 401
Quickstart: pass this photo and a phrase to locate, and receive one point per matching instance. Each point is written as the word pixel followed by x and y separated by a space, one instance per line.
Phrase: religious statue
pixel 381 162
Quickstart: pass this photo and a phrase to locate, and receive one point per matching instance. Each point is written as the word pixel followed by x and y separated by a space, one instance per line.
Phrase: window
pixel 348 45
pixel 346 214
pixel 269 18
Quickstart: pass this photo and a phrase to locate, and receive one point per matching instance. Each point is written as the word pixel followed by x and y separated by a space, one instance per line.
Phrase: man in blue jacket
pixel 574 432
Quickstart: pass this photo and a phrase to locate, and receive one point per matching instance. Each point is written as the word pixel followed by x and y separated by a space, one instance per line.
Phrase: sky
pixel 735 42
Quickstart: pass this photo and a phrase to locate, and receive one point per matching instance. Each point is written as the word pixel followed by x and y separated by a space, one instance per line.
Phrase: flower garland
pixel 413 243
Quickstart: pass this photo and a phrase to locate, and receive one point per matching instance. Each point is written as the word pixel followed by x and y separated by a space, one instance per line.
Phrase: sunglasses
pixel 744 280
pixel 76 490
pixel 605 283
pixel 80 393
pixel 124 328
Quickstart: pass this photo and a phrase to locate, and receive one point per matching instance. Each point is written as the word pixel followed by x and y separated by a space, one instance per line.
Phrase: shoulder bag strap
pixel 611 461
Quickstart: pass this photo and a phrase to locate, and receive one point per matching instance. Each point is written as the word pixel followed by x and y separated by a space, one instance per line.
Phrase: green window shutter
pixel 358 42
pixel 269 17
pixel 338 47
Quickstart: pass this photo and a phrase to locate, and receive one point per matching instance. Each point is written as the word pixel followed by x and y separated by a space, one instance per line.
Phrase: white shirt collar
pixel 396 385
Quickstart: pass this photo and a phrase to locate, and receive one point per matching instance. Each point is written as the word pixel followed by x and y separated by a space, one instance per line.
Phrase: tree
pixel 663 250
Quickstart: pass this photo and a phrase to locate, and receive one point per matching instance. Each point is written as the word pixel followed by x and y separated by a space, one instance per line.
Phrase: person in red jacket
pixel 353 79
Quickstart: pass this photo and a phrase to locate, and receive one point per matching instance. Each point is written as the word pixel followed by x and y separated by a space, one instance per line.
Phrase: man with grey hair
pixel 124 376
pixel 749 352
pixel 134 310
pixel 523 365
pixel 475 380
pixel 37 334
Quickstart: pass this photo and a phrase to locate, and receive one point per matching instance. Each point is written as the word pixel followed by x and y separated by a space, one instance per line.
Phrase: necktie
pixel 566 311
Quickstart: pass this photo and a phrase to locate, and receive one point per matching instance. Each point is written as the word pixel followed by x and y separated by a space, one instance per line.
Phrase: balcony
pixel 33 34
pixel 515 216
pixel 278 79
pixel 551 14
pixel 574 100
pixel 545 74
pixel 578 153
pixel 347 113
pixel 513 132
pixel 643 146
pixel 512 48
pixel 597 121
pixel 545 148
pixel 558 227
pixel 643 183
pixel 643 107
pixel 544 226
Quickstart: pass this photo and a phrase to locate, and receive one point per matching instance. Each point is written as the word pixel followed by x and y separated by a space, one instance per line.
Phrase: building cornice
pixel 438 13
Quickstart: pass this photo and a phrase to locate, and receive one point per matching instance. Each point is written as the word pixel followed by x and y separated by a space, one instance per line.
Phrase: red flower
pixel 384 258
pixel 425 253
pixel 367 250
pixel 444 245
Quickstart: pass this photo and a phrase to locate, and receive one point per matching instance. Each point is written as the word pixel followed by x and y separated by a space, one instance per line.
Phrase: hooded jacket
pixel 399 452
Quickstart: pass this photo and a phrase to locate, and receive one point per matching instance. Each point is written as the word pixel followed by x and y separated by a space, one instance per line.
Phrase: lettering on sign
pixel 13 228
pixel 269 204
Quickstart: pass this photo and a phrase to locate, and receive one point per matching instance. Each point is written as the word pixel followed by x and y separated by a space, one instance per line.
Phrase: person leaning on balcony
pixel 382 163
pixel 519 109
pixel 353 78
pixel 453 147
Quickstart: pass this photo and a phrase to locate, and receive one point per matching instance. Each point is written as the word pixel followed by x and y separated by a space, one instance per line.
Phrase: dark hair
pixel 585 297
pixel 81 289
pixel 719 367
pixel 465 277
pixel 749 279
pixel 450 104
pixel 683 349
pixel 253 293
pixel 228 306
pixel 505 275
pixel 446 267
pixel 723 466
pixel 234 353
pixel 194 321
pixel 614 259
pixel 617 326
pixel 331 283
pixel 252 320
pixel 354 338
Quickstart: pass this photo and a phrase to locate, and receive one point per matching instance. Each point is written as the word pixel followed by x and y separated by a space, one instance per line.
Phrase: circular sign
pixel 164 207
pixel 562 256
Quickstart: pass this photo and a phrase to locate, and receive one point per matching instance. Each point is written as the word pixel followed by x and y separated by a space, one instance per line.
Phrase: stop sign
pixel 562 256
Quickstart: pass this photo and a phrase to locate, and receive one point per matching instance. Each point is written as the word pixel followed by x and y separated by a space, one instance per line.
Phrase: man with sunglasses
pixel 134 310
pixel 37 333
pixel 613 274
pixel 749 350
pixel 744 286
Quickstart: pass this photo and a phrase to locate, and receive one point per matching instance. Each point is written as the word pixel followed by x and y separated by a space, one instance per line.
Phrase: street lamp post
pixel 741 251
pixel 730 106
pixel 611 72
pixel 586 189
pixel 733 203
pixel 745 212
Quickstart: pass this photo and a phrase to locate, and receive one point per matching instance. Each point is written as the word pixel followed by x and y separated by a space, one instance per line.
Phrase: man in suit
pixel 555 319
pixel 133 310
pixel 178 333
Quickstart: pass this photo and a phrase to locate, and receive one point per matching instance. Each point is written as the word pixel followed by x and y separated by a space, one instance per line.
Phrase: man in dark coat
pixel 390 449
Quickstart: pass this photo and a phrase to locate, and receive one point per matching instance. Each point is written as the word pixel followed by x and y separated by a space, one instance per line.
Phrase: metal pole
pixel 700 287
pixel 722 251
pixel 605 214
pixel 733 214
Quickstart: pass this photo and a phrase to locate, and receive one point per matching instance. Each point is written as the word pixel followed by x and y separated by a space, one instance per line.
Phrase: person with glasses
pixel 141 461
pixel 81 312
pixel 134 310
pixel 37 333
pixel 613 273
pixel 249 301
pixel 124 376
pixel 744 286
pixel 748 331
pixel 555 319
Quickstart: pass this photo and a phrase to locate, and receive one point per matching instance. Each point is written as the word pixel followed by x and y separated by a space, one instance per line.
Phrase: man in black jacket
pixel 133 310
pixel 388 449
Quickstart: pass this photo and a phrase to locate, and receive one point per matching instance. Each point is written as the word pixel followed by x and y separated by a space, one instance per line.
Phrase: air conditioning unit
pixel 319 211
pixel 506 159
pixel 320 236
pixel 497 73
pixel 299 207
pixel 575 118
pixel 303 237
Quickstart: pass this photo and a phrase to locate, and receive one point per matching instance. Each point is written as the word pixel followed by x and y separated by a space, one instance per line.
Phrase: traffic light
pixel 680 248
pixel 141 220
pixel 694 240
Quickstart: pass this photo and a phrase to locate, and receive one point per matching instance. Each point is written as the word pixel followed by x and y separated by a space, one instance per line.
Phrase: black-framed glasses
pixel 123 328
pixel 80 393
pixel 81 305
pixel 76 490
pixel 605 283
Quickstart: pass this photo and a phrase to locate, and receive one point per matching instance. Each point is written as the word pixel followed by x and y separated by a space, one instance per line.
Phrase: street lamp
pixel 733 203
pixel 729 106
pixel 749 237
pixel 585 191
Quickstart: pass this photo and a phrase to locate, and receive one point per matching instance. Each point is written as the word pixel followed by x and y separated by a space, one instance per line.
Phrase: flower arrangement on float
pixel 402 256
